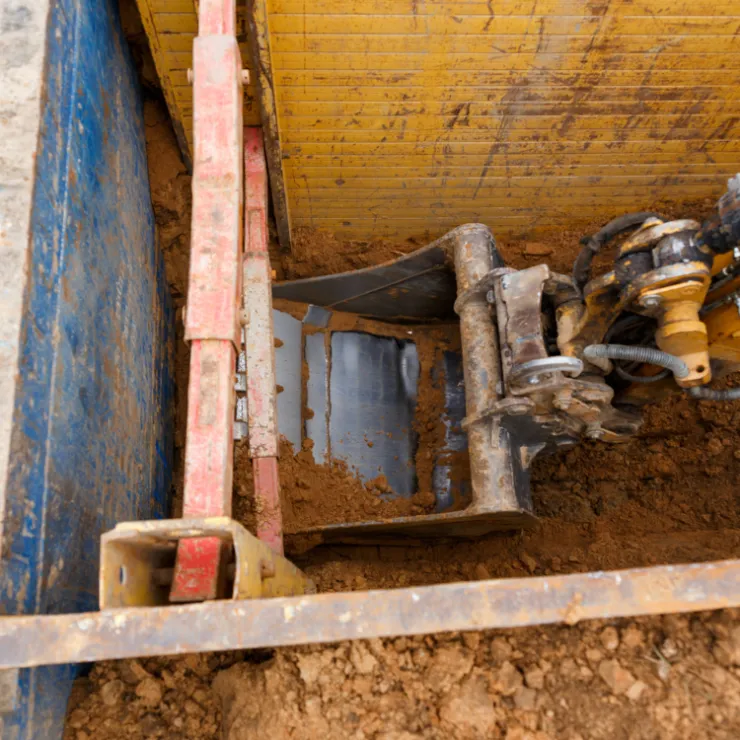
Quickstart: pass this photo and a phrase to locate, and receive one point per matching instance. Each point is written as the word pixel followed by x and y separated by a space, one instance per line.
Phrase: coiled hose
pixel 655 357
pixel 638 354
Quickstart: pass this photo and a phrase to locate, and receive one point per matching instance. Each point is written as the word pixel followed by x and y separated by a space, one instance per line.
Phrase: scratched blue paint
pixel 92 425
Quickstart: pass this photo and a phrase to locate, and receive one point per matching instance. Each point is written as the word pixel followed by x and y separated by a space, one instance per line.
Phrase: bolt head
pixel 534 380
pixel 490 297
pixel 650 301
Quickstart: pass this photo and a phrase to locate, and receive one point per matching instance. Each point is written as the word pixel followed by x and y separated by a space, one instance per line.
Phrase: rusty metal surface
pixel 268 514
pixel 229 625
pixel 498 480
pixel 549 403
pixel 519 304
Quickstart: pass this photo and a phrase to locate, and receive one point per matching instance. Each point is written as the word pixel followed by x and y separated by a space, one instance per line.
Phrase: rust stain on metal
pixel 271 622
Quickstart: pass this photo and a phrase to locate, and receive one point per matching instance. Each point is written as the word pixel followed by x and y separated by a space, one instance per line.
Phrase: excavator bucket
pixel 372 342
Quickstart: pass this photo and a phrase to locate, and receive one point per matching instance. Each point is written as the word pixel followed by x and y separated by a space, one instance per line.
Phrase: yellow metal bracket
pixel 137 562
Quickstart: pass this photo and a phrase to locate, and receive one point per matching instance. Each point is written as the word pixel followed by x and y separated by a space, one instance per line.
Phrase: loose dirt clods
pixel 536 684
pixel 656 499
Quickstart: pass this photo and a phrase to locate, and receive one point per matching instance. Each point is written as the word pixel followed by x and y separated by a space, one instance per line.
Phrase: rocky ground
pixel 665 677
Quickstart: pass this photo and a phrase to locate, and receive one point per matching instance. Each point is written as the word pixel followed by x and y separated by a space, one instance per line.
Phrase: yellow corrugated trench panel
pixel 408 117
pixel 171 26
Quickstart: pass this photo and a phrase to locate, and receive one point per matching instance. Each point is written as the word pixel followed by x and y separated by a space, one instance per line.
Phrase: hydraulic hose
pixel 709 394
pixel 655 357
pixel 638 354
pixel 664 373
pixel 592 244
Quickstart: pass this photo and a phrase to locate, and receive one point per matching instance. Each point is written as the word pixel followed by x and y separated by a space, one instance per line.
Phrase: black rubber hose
pixel 709 394
pixel 637 354
pixel 641 378
pixel 593 244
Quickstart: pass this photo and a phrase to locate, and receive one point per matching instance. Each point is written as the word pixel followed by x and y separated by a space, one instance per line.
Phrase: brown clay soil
pixel 320 253
pixel 674 677
pixel 315 494
pixel 667 496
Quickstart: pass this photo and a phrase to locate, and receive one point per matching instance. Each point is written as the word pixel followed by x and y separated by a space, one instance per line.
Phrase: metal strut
pixel 225 156
pixel 212 323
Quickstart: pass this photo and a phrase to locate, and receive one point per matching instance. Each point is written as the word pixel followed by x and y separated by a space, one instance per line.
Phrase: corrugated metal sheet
pixel 409 117
pixel 171 26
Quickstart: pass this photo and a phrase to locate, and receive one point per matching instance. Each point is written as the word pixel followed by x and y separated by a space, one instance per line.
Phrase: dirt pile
pixel 313 494
pixel 670 677
pixel 148 698
pixel 669 495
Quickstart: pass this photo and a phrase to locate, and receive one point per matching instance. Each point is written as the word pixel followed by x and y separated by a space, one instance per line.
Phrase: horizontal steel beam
pixel 230 625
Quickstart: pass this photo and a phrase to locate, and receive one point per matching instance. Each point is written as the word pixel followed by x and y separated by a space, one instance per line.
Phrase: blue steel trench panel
pixel 91 439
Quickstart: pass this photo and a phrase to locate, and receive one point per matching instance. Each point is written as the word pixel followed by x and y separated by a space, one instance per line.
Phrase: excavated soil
pixel 320 253
pixel 314 494
pixel 669 495
pixel 675 677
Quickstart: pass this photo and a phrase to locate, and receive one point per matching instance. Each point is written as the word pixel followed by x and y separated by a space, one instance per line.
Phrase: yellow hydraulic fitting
pixel 680 330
